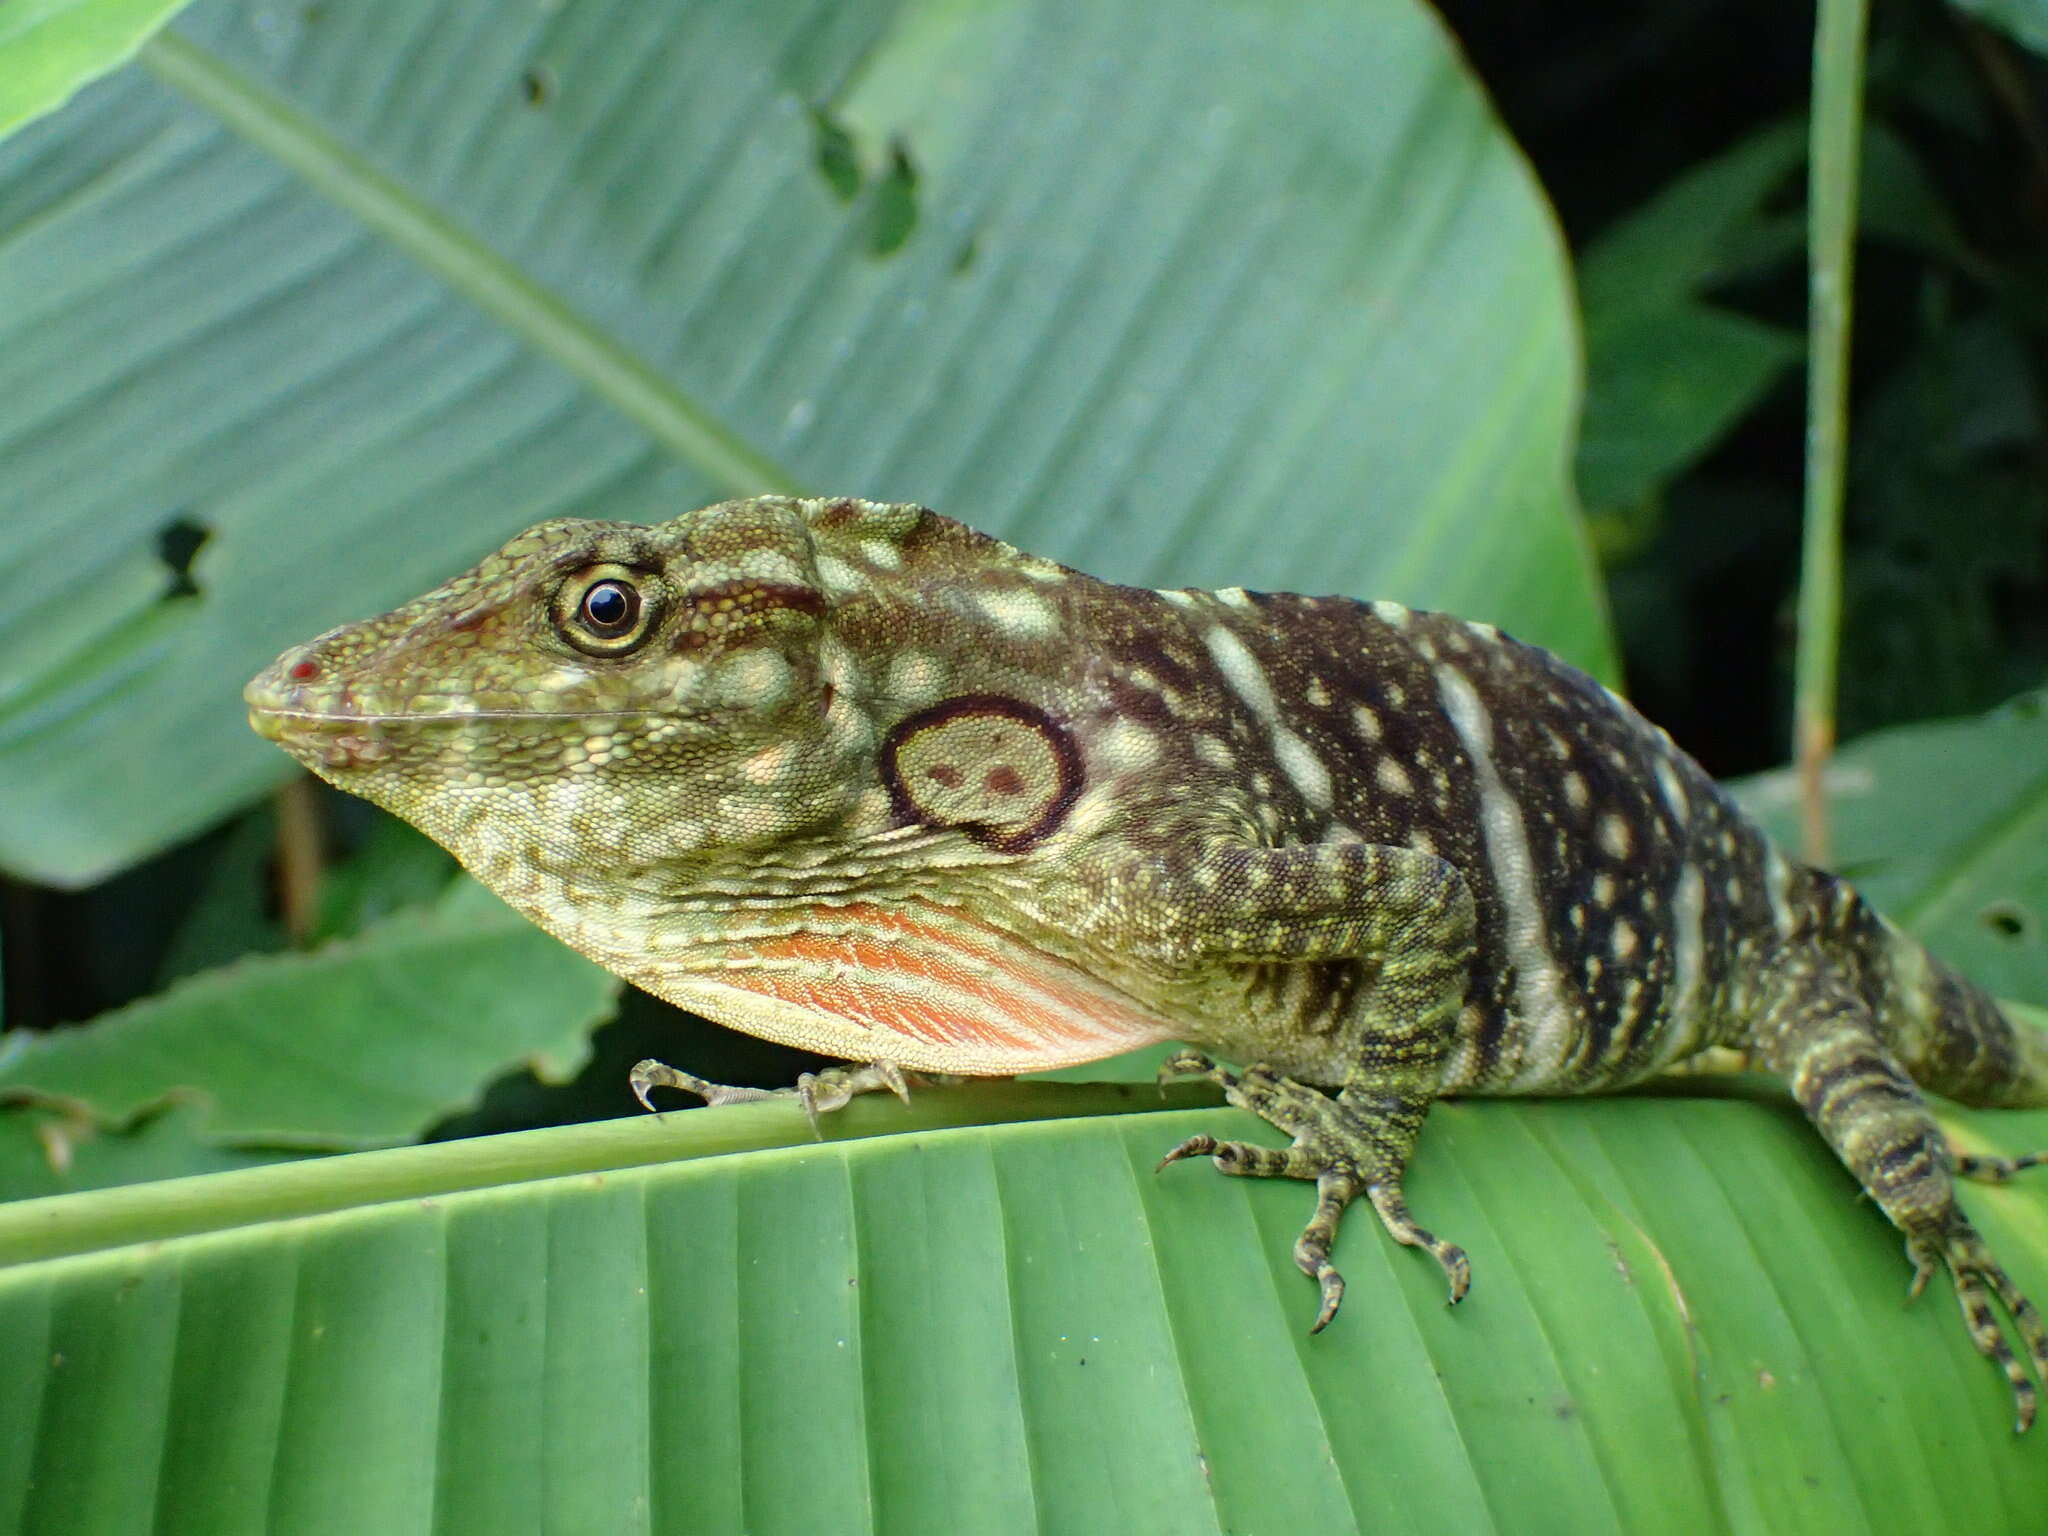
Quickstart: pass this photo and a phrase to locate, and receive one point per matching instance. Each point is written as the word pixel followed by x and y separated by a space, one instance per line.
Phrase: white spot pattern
pixel 1778 882
pixel 1017 612
pixel 839 577
pixel 1241 670
pixel 1615 836
pixel 1673 791
pixel 1300 763
pixel 1549 1023
pixel 1688 915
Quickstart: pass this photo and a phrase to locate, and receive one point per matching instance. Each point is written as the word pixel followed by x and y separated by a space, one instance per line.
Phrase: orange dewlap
pixel 954 983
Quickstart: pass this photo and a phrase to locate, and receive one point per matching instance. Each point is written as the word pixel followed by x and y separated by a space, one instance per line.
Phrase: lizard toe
pixel 1393 1209
pixel 1186 1063
pixel 1312 1248
pixel 1331 1284
pixel 1996 1170
pixel 651 1074
pixel 1980 1281
pixel 819 1093
pixel 1198 1145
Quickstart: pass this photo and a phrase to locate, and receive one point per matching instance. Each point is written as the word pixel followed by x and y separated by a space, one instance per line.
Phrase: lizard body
pixel 854 777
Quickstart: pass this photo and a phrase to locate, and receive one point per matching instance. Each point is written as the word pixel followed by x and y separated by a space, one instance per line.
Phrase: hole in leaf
pixel 177 544
pixel 893 214
pixel 2007 920
pixel 837 162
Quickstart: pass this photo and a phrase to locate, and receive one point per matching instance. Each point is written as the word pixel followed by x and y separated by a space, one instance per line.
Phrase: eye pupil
pixel 610 607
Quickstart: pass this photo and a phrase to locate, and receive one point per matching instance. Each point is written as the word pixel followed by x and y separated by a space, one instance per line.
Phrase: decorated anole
pixel 856 778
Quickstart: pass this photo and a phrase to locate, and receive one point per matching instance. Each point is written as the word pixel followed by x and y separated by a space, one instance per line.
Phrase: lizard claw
pixel 651 1074
pixel 1198 1145
pixel 640 1084
pixel 1332 1285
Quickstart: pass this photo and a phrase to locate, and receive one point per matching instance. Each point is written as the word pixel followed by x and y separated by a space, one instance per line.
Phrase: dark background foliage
pixel 1948 508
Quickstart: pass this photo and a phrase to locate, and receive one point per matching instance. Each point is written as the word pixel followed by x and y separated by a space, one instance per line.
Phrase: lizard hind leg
pixel 1858 1096
pixel 1348 1147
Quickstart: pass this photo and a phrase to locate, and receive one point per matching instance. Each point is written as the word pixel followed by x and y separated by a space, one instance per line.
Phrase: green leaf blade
pixel 1134 325
pixel 2025 20
pixel 672 1316
pixel 51 49
pixel 366 1040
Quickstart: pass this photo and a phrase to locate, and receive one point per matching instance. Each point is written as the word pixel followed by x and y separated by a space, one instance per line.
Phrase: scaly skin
pixel 856 778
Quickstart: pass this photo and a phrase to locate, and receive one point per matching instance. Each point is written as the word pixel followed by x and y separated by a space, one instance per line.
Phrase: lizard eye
pixel 605 614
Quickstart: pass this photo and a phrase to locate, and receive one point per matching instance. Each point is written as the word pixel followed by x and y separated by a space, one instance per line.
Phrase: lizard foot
pixel 1978 1278
pixel 818 1092
pixel 1337 1146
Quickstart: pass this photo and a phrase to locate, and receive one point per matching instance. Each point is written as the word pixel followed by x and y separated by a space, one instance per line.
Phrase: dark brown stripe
pixel 705 618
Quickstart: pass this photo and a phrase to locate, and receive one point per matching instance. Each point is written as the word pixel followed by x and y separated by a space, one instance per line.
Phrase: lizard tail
pixel 2030 1031
pixel 1955 1039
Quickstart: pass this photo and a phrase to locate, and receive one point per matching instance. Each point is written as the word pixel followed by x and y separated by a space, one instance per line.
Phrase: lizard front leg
pixel 818 1092
pixel 1406 920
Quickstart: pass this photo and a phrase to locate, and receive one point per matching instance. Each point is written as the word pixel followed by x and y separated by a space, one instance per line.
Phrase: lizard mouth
pixel 342 718
pixel 342 738
pixel 275 712
pixel 334 735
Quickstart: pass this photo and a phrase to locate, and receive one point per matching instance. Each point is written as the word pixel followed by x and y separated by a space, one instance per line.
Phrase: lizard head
pixel 734 758
pixel 593 692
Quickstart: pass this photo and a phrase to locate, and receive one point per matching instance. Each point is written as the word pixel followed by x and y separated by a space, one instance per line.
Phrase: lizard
pixel 855 777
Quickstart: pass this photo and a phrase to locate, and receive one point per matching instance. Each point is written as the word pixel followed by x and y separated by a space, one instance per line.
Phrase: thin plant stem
pixel 301 856
pixel 1836 135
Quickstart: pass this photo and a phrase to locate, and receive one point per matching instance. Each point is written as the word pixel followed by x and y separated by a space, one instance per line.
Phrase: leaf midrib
pixel 680 423
pixel 61 1226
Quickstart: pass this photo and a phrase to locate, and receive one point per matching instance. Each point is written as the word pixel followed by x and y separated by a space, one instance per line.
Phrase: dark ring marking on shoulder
pixel 965 793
